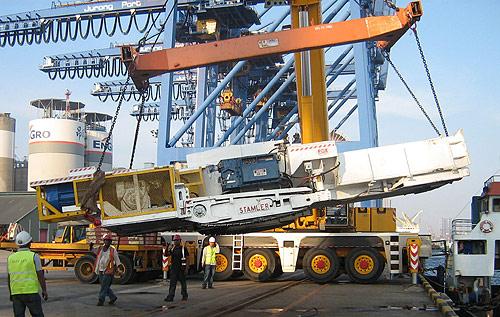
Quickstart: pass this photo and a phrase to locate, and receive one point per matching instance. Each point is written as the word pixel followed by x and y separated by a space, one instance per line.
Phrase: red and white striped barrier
pixel 165 260
pixel 413 257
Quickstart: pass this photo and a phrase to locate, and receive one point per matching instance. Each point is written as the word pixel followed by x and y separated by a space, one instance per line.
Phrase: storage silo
pixel 7 139
pixel 56 141
pixel 96 141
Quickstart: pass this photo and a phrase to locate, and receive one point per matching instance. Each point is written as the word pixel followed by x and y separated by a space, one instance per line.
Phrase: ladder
pixel 395 261
pixel 237 252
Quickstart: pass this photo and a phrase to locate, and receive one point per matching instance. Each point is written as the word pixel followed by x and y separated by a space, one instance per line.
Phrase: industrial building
pixel 21 208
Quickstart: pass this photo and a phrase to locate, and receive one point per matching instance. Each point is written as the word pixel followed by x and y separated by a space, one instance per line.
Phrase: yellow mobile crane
pixel 254 187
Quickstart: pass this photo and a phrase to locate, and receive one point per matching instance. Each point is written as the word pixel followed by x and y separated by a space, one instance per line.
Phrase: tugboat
pixel 473 256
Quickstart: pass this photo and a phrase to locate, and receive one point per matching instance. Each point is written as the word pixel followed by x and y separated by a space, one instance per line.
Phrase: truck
pixel 74 247
pixel 360 242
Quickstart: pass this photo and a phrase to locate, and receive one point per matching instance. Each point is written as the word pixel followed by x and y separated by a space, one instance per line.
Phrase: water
pixel 437 260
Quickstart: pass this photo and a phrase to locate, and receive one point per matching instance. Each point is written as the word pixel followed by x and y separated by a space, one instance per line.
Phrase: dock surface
pixel 290 295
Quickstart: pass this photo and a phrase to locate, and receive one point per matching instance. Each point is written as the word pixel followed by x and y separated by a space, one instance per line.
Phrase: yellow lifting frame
pixel 312 107
pixel 54 215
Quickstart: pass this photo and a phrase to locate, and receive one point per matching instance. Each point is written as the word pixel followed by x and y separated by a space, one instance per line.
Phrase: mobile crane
pixel 254 187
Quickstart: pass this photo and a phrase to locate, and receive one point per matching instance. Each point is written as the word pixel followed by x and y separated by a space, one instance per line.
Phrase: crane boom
pixel 386 30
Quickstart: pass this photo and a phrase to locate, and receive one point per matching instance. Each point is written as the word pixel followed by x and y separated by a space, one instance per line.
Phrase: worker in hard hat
pixel 25 278
pixel 208 262
pixel 105 266
pixel 178 269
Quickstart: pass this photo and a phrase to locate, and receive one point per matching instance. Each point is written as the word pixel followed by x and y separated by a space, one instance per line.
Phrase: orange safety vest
pixel 110 267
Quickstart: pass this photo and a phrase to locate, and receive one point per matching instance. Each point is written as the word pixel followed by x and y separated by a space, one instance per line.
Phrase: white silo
pixel 96 141
pixel 7 137
pixel 57 141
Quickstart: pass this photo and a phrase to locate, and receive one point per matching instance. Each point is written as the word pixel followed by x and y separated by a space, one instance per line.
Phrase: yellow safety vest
pixel 22 273
pixel 210 255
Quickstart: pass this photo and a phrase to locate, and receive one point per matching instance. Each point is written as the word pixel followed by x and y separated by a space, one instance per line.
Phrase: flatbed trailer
pixel 363 255
pixel 139 261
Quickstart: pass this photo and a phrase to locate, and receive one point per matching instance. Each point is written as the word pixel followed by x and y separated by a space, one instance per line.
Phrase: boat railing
pixel 461 226
pixel 492 179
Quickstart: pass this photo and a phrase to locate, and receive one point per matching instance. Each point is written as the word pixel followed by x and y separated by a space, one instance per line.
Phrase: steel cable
pixel 386 56
pixel 431 84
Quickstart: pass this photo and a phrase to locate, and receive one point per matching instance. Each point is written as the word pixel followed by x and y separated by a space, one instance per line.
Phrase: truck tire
pixel 125 272
pixel 364 265
pixel 259 264
pixel 224 267
pixel 84 269
pixel 321 265
pixel 278 270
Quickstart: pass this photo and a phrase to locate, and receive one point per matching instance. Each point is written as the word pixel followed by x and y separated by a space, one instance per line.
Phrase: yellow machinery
pixel 230 104
pixel 310 71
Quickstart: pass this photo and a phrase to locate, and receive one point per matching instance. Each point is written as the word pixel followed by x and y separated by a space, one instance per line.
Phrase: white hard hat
pixel 23 238
pixel 212 239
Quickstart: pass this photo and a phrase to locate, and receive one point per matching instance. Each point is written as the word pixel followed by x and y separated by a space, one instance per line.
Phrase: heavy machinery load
pixel 253 187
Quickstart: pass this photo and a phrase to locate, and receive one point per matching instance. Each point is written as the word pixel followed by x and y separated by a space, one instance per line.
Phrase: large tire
pixel 84 269
pixel 259 264
pixel 125 271
pixel 224 267
pixel 278 270
pixel 321 265
pixel 364 265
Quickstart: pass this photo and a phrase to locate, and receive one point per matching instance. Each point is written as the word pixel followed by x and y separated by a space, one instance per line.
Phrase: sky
pixel 462 47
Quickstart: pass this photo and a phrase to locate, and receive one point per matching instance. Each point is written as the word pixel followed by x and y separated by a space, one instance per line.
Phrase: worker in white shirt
pixel 106 263
pixel 208 262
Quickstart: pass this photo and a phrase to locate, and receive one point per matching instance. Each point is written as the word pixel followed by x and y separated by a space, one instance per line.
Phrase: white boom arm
pixel 316 175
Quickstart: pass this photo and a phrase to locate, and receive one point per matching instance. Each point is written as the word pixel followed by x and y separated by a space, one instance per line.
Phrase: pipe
pixel 254 103
pixel 344 100
pixel 342 93
pixel 214 94
pixel 335 11
pixel 282 123
pixel 344 119
pixel 264 108
pixel 288 128
pixel 337 61
pixel 235 123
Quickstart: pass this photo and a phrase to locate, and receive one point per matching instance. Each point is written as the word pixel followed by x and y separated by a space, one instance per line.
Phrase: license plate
pixel 260 172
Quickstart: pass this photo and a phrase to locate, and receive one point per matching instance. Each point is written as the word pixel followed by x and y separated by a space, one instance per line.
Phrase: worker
pixel 208 262
pixel 178 268
pixel 105 267
pixel 25 278
pixel 296 138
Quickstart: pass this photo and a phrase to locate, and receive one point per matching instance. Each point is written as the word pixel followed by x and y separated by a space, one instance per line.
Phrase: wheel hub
pixel 364 264
pixel 320 264
pixel 257 263
pixel 221 263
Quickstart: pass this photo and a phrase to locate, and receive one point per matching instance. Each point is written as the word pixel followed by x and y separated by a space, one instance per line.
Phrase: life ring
pixel 486 226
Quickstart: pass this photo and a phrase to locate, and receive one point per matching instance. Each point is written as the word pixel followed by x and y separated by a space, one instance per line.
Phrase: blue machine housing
pixel 60 195
pixel 239 173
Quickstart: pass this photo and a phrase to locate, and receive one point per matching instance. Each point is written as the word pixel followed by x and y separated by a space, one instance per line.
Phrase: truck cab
pixel 70 234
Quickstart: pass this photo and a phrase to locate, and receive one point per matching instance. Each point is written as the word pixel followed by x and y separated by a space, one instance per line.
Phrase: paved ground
pixel 289 296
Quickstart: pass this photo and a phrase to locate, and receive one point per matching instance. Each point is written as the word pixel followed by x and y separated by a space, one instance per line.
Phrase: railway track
pixel 224 311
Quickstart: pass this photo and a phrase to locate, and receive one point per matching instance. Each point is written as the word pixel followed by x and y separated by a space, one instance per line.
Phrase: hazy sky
pixel 462 46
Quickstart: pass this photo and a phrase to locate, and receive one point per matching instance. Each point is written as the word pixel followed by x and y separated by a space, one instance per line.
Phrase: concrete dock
pixel 291 295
